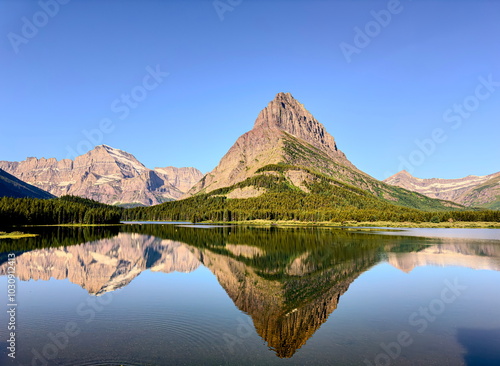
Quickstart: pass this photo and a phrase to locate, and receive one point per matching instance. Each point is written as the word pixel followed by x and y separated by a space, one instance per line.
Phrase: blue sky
pixel 429 73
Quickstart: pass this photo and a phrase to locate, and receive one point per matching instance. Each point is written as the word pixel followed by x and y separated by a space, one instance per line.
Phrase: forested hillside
pixel 316 198
pixel 64 210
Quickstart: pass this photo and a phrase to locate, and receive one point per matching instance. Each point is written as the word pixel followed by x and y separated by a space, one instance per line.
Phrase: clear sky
pixel 379 75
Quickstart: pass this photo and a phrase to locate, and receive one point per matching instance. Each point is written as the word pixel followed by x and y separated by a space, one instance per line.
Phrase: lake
pixel 178 294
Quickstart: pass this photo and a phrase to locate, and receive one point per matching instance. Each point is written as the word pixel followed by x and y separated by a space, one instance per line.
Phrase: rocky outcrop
pixel 286 114
pixel 106 175
pixel 472 190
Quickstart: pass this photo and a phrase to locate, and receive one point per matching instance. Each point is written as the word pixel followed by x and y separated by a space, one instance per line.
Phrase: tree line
pixel 325 201
pixel 64 210
pixel 294 206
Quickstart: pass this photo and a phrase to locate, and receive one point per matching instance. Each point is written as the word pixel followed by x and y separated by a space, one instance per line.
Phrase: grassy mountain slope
pixel 486 195
pixel 302 154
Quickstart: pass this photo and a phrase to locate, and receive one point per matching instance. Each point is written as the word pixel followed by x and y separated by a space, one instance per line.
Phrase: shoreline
pixel 345 224
pixel 277 223
pixel 374 224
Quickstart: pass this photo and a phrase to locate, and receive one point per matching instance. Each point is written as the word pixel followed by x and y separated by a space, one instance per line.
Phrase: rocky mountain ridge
pixel 106 175
pixel 473 190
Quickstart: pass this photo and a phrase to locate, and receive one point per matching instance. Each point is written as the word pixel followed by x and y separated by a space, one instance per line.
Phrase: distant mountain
pixel 106 175
pixel 479 191
pixel 10 186
pixel 288 142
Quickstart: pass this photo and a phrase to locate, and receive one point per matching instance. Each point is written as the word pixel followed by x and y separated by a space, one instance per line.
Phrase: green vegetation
pixel 371 225
pixel 130 205
pixel 327 200
pixel 495 205
pixel 64 210
pixel 320 198
pixel 300 155
pixel 15 235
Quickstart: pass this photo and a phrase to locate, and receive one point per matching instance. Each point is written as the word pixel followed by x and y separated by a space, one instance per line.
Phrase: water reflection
pixel 478 254
pixel 288 280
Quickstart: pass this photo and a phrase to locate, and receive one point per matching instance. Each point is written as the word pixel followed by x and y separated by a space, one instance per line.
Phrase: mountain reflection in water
pixel 289 280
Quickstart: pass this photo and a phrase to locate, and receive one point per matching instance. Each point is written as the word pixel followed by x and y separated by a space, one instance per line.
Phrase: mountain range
pixel 471 191
pixel 287 151
pixel 106 175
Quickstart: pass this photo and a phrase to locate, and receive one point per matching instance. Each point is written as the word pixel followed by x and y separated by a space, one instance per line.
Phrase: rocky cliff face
pixel 286 114
pixel 483 191
pixel 282 123
pixel 181 178
pixel 107 175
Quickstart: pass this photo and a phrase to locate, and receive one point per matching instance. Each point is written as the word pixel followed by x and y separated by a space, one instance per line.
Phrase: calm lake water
pixel 169 294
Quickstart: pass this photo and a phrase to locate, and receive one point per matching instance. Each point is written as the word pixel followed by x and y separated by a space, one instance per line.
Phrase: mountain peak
pixel 108 153
pixel 402 173
pixel 284 96
pixel 284 132
pixel 285 113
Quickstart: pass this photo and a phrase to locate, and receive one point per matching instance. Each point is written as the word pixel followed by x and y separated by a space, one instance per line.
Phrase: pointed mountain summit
pixel 285 113
pixel 288 149
pixel 284 133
